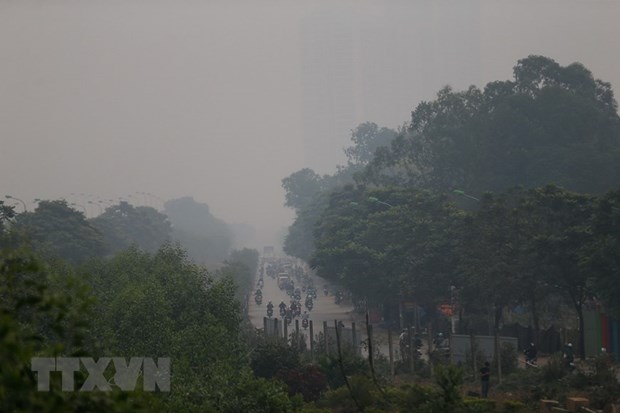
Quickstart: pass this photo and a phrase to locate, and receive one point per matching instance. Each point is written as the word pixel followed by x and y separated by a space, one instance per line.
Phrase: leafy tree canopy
pixel 55 229
pixel 551 124
pixel 207 239
pixel 124 225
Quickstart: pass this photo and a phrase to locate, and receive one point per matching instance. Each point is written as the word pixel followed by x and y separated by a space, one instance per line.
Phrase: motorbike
pixel 309 305
pixel 338 299
pixel 304 323
pixel 258 299
pixel 270 312
pixel 282 311
pixel 530 358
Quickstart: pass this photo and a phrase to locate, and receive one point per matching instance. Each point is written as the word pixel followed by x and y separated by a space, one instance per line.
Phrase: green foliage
pixel 301 187
pixel 39 319
pixel 7 214
pixel 509 357
pixel 479 406
pixel 124 225
pixel 271 356
pixel 299 241
pixel 307 192
pixel 513 406
pixel 552 124
pixel 241 267
pixel 367 138
pixel 449 378
pixel 56 230
pixel 352 363
pixel 361 244
pixel 307 381
pixel 362 391
pixel 602 257
pixel 206 238
pixel 163 305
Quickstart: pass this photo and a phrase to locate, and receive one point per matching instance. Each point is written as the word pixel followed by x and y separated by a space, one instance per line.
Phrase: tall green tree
pixel 561 236
pixel 383 244
pixel 307 192
pixel 603 256
pixel 551 124
pixel 42 315
pixel 124 225
pixel 206 238
pixel 491 256
pixel 55 229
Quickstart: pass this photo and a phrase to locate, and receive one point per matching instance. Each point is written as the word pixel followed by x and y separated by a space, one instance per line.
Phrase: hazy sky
pixel 222 99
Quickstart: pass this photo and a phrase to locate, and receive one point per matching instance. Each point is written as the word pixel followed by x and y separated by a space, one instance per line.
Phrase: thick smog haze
pixel 220 100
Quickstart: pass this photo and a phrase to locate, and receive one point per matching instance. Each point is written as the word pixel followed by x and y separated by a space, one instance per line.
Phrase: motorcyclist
pixel 530 354
pixel 569 356
pixel 403 338
pixel 269 306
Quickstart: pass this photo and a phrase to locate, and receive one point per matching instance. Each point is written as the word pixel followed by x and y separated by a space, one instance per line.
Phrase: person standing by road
pixel 485 376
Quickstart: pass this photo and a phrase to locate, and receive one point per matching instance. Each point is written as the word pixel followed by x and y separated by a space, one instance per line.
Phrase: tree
pixel 241 267
pixel 299 242
pixel 307 192
pixel 367 138
pixel 552 124
pixel 561 238
pixel 7 213
pixel 40 318
pixel 301 187
pixel 399 247
pixel 164 305
pixel 491 256
pixel 124 225
pixel 207 239
pixel 56 229
pixel 603 254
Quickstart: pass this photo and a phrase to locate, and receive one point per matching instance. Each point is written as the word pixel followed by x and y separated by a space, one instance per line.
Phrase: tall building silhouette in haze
pixel 330 85
pixel 375 62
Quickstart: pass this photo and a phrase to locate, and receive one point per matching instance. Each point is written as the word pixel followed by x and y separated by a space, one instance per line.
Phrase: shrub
pixel 554 369
pixel 353 365
pixel 513 406
pixel 479 406
pixel 271 356
pixel 509 358
pixel 308 381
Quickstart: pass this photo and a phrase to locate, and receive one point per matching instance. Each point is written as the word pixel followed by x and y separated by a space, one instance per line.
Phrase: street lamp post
pixel 378 201
pixel 462 193
pixel 17 199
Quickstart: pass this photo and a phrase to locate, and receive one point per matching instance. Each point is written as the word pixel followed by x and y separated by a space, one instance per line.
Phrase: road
pixel 325 309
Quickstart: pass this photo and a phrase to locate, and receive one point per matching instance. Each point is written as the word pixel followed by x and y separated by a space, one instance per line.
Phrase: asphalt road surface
pixel 325 309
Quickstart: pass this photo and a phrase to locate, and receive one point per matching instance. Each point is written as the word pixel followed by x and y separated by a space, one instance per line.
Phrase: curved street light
pixel 378 201
pixel 17 199
pixel 460 192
